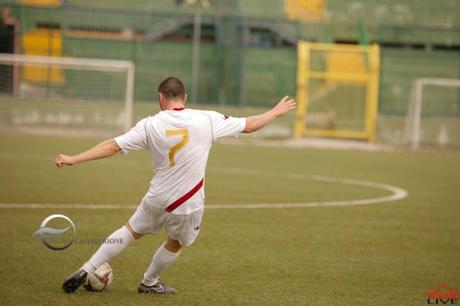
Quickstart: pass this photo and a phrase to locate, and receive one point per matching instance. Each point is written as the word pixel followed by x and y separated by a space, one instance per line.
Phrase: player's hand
pixel 64 160
pixel 284 105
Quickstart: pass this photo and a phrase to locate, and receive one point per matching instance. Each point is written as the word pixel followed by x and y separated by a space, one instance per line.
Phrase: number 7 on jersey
pixel 179 145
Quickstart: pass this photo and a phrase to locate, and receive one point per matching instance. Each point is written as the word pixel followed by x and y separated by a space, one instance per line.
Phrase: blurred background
pixel 238 56
pixel 379 75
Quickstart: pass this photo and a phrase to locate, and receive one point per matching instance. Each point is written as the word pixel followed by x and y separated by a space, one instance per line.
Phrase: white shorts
pixel 148 219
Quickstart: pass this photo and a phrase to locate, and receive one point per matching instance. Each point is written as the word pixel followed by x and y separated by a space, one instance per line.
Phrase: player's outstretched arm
pixel 254 123
pixel 104 149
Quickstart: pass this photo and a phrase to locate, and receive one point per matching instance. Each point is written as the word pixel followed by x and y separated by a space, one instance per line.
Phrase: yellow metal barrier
pixel 335 70
pixel 43 42
pixel 305 10
pixel 41 2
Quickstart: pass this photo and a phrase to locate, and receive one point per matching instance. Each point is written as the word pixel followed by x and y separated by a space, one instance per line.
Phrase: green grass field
pixel 384 254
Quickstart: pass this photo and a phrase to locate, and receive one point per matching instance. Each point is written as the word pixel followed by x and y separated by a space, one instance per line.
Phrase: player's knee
pixel 172 245
pixel 133 233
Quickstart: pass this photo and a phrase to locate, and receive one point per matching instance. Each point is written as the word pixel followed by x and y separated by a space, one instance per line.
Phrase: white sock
pixel 112 246
pixel 160 262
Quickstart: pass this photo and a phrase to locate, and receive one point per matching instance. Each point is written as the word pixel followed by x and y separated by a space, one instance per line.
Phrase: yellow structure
pixel 305 10
pixel 341 63
pixel 41 2
pixel 42 42
pixel 345 65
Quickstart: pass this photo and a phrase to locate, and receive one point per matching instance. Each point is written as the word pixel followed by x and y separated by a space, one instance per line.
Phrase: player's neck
pixel 174 106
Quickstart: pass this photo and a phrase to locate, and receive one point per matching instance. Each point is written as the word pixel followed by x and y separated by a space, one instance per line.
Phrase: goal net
pixel 44 94
pixel 433 116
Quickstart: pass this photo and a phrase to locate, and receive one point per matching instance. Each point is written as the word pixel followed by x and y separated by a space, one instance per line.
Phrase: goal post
pixel 439 119
pixel 337 90
pixel 79 88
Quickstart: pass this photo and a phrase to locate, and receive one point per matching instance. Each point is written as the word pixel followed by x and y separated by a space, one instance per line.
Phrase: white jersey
pixel 179 141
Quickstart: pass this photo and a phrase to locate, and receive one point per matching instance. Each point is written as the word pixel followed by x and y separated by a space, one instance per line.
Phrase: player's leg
pixel 138 224
pixel 163 258
pixel 182 231
pixel 123 236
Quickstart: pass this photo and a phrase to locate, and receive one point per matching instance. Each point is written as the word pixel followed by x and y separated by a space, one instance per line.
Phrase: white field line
pixel 397 193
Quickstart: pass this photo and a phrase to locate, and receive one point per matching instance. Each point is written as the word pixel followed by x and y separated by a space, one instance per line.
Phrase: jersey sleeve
pixel 134 139
pixel 225 126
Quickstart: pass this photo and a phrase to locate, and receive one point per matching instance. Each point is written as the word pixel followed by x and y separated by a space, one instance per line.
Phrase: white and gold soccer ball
pixel 100 279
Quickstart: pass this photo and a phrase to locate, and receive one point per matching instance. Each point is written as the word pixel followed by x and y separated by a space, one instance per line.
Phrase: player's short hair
pixel 172 88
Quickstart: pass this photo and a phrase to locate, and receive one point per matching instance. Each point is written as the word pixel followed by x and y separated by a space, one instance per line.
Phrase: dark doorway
pixel 6 46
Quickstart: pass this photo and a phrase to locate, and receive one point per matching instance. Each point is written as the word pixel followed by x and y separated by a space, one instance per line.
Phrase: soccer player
pixel 179 139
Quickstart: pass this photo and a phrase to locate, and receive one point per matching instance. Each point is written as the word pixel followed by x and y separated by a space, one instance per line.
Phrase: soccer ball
pixel 100 279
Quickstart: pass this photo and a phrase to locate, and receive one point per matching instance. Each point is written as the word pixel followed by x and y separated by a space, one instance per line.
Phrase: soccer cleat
pixel 158 288
pixel 74 281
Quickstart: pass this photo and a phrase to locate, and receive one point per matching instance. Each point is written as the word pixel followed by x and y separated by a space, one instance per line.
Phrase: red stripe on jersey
pixel 185 197
pixel 178 108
